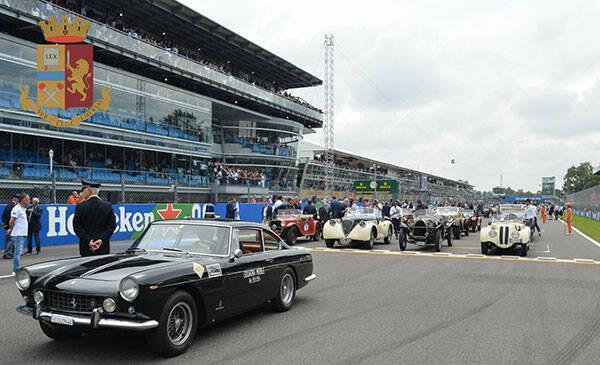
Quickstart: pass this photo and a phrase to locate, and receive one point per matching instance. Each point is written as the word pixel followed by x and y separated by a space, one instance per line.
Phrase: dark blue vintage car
pixel 178 275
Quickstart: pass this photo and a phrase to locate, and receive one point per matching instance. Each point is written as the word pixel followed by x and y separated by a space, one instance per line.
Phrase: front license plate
pixel 58 319
pixel 516 241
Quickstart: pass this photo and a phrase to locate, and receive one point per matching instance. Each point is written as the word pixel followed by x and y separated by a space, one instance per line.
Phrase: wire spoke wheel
pixel 179 325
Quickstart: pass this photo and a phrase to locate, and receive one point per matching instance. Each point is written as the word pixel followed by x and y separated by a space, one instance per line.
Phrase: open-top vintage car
pixel 424 228
pixel 473 219
pixel 459 221
pixel 507 230
pixel 290 224
pixel 359 224
pixel 178 275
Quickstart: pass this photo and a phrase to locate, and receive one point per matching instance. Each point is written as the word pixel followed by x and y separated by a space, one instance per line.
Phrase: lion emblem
pixel 79 75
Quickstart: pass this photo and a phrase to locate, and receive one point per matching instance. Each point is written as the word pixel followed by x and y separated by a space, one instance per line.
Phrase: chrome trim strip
pixel 106 322
pixel 310 278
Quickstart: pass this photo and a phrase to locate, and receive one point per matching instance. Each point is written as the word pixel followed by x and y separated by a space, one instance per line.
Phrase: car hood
pixel 117 266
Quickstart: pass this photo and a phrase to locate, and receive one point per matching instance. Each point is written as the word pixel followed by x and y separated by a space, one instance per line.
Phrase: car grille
pixel 347 226
pixel 419 230
pixel 504 235
pixel 72 302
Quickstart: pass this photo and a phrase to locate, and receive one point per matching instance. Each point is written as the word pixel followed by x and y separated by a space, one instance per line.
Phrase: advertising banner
pixel 57 220
pixel 381 186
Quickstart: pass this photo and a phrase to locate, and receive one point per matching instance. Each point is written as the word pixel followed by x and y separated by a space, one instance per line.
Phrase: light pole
pixel 51 155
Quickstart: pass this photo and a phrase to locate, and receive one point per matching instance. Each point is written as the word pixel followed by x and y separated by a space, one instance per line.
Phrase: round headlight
pixel 129 289
pixel 493 233
pixel 38 297
pixel 332 222
pixel 109 305
pixel 515 234
pixel 22 279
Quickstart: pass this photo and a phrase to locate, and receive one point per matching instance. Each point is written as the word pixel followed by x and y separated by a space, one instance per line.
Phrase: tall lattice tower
pixel 328 127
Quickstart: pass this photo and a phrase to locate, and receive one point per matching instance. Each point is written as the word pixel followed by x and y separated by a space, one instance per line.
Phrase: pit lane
pixel 378 308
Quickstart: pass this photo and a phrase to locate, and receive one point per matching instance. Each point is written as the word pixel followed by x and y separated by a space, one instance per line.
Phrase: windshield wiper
pixel 175 249
pixel 132 249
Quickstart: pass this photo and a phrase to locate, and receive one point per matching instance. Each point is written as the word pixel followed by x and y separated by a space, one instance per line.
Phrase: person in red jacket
pixel 569 216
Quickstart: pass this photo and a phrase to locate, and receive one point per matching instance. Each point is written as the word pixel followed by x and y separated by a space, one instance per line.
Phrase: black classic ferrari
pixel 178 275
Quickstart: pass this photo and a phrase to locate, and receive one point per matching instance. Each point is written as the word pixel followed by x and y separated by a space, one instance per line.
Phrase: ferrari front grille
pixel 347 226
pixel 75 303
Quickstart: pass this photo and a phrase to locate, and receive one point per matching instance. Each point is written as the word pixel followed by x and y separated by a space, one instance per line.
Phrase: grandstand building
pixel 196 109
pixel 412 184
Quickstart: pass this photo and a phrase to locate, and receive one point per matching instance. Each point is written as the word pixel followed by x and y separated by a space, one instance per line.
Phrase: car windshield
pixel 510 215
pixel 467 212
pixel 191 238
pixel 287 212
pixel 421 212
pixel 361 213
pixel 447 210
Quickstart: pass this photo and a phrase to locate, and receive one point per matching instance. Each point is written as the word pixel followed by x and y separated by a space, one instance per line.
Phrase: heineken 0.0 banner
pixel 57 220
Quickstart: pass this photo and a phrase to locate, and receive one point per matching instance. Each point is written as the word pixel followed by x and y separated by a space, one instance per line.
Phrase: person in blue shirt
pixel 336 208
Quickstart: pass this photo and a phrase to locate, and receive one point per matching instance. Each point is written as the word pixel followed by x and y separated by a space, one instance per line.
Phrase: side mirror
pixel 237 253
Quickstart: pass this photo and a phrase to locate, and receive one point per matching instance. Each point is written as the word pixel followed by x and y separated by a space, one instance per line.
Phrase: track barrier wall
pixel 57 219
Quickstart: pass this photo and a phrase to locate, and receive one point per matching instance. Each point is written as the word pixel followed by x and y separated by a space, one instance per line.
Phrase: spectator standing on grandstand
pixel 18 229
pixel 18 168
pixel 8 246
pixel 396 214
pixel 34 216
pixel 323 214
pixel 231 210
pixel 267 213
pixel 93 222
pixel 310 209
pixel 73 198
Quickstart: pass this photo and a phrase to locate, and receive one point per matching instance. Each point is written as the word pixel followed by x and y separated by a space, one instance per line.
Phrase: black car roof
pixel 218 221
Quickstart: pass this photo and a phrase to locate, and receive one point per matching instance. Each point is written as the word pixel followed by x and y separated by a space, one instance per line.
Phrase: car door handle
pixel 269 261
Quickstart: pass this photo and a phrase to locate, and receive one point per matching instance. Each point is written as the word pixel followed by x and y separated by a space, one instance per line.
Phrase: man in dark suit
pixel 336 208
pixel 94 222
pixel 309 208
pixel 230 209
pixel 267 212
pixel 8 247
pixel 323 214
pixel 34 216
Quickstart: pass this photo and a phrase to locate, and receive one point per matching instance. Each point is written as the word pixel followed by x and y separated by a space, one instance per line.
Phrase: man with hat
pixel 94 221
pixel 8 246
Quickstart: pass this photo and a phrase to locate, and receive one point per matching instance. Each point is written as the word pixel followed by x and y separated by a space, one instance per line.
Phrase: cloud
pixel 509 88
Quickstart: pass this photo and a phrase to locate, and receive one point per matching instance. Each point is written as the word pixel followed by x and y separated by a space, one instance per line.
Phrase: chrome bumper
pixel 310 278
pixel 95 320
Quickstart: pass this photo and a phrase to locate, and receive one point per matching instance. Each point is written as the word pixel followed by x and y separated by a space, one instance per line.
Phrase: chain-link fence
pixel 588 198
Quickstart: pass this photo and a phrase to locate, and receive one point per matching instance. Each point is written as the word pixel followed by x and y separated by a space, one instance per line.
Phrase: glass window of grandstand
pixel 270 241
pixel 250 241
pixel 247 139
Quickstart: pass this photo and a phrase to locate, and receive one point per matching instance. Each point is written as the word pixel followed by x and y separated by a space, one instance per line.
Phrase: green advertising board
pixel 379 186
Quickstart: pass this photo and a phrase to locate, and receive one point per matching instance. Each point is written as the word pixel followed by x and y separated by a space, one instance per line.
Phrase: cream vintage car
pixel 358 225
pixel 507 230
pixel 459 220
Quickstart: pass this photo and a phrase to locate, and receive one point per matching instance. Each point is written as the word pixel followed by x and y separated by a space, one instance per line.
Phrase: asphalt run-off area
pixel 379 306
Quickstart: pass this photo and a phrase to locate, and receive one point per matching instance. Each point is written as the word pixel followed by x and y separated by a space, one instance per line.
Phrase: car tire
pixel 449 239
pixel 286 293
pixel 317 235
pixel 329 243
pixel 58 334
pixel 437 243
pixel 402 240
pixel 388 239
pixel 371 242
pixel 484 248
pixel 466 232
pixel 291 237
pixel 177 325
pixel 456 232
pixel 523 251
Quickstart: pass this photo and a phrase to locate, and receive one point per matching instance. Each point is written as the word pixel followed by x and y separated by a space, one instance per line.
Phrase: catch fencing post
pixel 122 187
pixel 54 187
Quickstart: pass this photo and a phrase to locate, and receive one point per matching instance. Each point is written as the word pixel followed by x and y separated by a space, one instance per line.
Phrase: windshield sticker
pixel 214 270
pixel 198 269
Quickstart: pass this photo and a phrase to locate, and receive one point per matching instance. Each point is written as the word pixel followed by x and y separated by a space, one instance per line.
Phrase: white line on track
pixel 6 276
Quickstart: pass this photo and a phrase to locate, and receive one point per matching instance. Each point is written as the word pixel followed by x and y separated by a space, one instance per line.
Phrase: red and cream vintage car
pixel 291 224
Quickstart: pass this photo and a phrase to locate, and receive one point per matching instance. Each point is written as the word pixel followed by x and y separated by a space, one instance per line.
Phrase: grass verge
pixel 588 226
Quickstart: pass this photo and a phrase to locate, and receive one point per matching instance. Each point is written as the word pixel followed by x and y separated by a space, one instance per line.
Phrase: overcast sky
pixel 502 87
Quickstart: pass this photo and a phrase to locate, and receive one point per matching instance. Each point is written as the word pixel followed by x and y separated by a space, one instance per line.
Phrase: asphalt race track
pixel 380 306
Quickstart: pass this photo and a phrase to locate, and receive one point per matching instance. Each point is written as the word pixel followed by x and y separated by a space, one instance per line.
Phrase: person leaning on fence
pixel 18 229
pixel 34 216
pixel 93 222
pixel 8 247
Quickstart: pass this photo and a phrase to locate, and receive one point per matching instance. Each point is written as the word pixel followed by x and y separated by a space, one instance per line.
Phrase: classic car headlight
pixel 22 279
pixel 38 297
pixel 109 305
pixel 493 233
pixel 515 234
pixel 332 222
pixel 362 224
pixel 129 289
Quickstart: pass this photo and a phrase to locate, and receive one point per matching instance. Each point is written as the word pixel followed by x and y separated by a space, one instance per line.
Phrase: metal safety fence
pixel 588 199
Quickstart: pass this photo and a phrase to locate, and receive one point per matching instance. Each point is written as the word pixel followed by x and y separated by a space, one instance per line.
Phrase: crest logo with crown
pixel 65 73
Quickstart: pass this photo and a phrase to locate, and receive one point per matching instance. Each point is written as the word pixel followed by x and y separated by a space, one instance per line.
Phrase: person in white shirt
pixel 18 229
pixel 278 202
pixel 396 215
pixel 531 216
